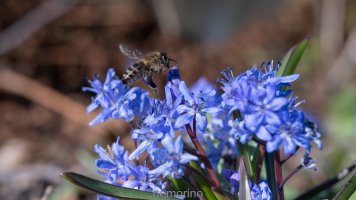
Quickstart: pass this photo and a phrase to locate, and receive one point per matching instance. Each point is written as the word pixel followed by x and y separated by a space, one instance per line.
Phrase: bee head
pixel 165 59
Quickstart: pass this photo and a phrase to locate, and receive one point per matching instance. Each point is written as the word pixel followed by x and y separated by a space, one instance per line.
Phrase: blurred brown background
pixel 48 49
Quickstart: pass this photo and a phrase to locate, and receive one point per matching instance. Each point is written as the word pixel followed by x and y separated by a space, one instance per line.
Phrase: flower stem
pixel 274 174
pixel 270 171
pixel 258 161
pixel 203 156
pixel 278 174
pixel 290 175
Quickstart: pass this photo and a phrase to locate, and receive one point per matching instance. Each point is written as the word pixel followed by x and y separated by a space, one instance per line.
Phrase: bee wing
pixel 131 53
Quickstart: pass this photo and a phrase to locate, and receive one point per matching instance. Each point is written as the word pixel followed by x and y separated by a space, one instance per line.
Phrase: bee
pixel 145 67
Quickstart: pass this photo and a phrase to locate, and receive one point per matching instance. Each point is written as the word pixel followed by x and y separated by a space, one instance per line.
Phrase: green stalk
pixel 257 161
pixel 244 152
pixel 271 179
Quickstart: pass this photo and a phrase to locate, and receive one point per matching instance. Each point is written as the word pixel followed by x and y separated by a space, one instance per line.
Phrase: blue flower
pixel 194 106
pixel 116 99
pixel 203 86
pixel 172 88
pixel 214 154
pixel 117 170
pixel 153 129
pixel 290 133
pixel 113 162
pixel 259 98
pixel 145 180
pixel 264 108
pixel 239 131
pixel 261 191
pixel 171 158
pixel 220 130
pixel 244 91
pixel 101 89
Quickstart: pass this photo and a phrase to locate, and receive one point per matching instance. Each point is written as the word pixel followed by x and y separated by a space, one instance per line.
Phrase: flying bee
pixel 145 67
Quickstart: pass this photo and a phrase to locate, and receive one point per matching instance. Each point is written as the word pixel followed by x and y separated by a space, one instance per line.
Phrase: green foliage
pixel 291 59
pixel 347 191
pixel 111 190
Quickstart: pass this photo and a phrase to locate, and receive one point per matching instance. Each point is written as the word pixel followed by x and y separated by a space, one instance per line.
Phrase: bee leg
pixel 148 80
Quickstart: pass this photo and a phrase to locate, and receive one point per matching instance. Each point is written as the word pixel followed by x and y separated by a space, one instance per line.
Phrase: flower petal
pixel 140 149
pixel 182 120
pixel 277 103
pixel 131 184
pixel 274 144
pixel 105 164
pixel 168 144
pixel 212 110
pixel 186 157
pixel 186 93
pixel 263 134
pixel 289 146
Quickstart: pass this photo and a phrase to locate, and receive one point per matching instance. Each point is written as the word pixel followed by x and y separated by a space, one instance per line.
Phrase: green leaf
pixel 111 190
pixel 347 191
pixel 271 180
pixel 326 185
pixel 222 195
pixel 244 151
pixel 178 184
pixel 182 186
pixel 291 59
pixel 257 161
pixel 244 190
pixel 202 181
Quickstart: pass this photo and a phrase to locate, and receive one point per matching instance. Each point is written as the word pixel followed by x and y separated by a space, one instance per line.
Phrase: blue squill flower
pixel 261 191
pixel 290 133
pixel 258 97
pixel 116 99
pixel 203 86
pixel 171 158
pixel 239 131
pixel 145 180
pixel 113 162
pixel 193 106
pixel 172 88
pixel 100 88
pixel 239 90
pixel 264 108
pixel 214 153
pixel 220 131
pixel 153 129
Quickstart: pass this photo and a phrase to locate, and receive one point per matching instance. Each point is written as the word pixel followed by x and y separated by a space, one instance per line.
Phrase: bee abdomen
pixel 132 74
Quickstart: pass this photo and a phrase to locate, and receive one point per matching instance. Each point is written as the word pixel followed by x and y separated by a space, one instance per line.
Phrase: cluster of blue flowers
pixel 255 105
pixel 266 110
